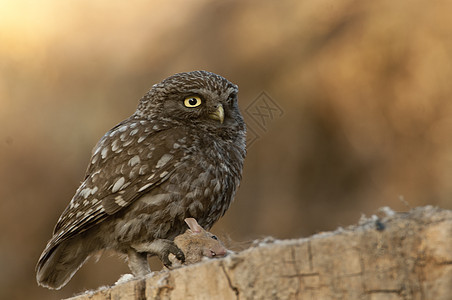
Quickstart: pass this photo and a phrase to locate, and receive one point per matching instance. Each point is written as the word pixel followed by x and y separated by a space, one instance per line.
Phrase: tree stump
pixel 392 256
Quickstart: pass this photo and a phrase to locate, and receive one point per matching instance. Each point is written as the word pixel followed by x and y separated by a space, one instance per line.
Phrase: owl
pixel 180 155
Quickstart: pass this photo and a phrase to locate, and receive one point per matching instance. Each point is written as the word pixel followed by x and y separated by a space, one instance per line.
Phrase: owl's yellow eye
pixel 192 101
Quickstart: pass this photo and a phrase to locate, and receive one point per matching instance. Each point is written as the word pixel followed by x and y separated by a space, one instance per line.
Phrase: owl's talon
pixel 180 255
pixel 165 260
pixel 168 247
pixel 172 249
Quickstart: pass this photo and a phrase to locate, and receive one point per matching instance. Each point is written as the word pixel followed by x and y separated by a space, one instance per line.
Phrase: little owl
pixel 180 155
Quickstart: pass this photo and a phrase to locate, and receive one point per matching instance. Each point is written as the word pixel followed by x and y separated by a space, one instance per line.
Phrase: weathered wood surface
pixel 397 256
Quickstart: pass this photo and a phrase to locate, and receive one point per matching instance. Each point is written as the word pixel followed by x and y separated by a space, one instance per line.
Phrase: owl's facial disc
pixel 218 114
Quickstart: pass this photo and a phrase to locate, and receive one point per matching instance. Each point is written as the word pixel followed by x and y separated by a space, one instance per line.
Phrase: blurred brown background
pixel 365 89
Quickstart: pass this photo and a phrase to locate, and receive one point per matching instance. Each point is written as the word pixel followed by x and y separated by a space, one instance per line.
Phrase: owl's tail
pixel 59 263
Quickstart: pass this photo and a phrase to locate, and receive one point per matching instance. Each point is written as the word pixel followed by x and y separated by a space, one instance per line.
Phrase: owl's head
pixel 197 97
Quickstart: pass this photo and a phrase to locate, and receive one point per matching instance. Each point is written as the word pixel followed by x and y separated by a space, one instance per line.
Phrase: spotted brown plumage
pixel 180 155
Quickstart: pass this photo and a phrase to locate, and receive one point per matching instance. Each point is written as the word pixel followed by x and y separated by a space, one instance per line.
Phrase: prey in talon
pixel 197 244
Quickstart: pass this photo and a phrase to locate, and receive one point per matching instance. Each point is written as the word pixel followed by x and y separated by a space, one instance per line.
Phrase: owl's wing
pixel 131 159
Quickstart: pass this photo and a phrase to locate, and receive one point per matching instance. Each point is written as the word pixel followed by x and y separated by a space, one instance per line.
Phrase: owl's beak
pixel 218 114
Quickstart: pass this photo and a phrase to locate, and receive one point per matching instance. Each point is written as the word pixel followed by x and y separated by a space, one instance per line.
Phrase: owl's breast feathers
pixel 197 175
pixel 208 176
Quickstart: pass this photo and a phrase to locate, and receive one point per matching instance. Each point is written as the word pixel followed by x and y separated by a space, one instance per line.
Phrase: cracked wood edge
pixel 411 258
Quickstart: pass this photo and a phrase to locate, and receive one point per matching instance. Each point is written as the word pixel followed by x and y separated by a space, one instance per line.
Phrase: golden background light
pixel 364 88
